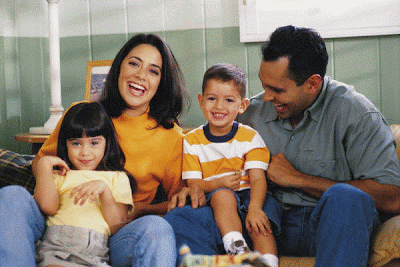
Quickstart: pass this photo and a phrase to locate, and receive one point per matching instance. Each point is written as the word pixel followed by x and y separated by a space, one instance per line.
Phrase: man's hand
pixel 281 172
pixel 197 198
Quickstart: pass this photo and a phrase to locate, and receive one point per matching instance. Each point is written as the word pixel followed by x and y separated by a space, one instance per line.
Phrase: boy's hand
pixel 257 222
pixel 231 181
pixel 88 191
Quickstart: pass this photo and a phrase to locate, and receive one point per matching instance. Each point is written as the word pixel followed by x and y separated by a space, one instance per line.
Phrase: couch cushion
pixel 16 169
pixel 386 243
pixel 396 132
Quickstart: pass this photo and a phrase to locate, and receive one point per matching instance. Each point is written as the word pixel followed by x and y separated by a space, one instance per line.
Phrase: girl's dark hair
pixel 303 46
pixel 225 72
pixel 167 104
pixel 91 119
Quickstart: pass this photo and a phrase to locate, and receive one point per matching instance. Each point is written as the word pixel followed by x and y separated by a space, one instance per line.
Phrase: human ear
pixel 314 83
pixel 243 105
pixel 200 99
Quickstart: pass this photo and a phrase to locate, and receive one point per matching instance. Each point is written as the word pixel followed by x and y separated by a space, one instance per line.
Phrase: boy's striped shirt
pixel 210 157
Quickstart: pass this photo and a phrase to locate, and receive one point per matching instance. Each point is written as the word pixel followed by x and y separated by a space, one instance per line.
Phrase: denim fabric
pixel 197 228
pixel 337 231
pixel 270 207
pixel 22 224
pixel 147 241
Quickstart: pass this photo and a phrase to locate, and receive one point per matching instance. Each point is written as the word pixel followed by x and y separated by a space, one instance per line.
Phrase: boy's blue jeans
pixel 337 231
pixel 147 241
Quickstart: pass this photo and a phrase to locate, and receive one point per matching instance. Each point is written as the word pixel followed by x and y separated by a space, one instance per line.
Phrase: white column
pixel 56 109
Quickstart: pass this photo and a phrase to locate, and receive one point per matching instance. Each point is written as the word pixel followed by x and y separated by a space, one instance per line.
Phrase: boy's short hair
pixel 227 72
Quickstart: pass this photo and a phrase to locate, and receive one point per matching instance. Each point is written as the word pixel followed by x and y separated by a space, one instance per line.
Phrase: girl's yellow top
pixel 153 156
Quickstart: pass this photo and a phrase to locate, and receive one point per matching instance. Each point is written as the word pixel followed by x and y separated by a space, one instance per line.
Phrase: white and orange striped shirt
pixel 209 157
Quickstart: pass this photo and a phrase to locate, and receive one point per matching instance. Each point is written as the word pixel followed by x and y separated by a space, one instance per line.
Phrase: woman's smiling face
pixel 139 78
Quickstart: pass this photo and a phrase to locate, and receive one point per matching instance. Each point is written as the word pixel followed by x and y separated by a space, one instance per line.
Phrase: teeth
pixel 136 86
pixel 280 107
pixel 219 115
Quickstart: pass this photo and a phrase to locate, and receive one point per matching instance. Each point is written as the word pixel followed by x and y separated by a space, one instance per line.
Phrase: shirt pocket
pixel 319 168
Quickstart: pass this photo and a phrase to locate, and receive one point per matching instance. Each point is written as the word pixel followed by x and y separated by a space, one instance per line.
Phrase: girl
pixel 87 200
pixel 144 96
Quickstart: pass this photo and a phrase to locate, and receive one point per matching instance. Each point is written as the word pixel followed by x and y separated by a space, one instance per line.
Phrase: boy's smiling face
pixel 220 103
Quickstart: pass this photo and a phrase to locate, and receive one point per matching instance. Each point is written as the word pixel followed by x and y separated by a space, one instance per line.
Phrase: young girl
pixel 88 198
pixel 144 96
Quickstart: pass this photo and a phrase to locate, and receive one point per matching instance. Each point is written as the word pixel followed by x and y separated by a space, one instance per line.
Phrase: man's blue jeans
pixel 337 231
pixel 147 241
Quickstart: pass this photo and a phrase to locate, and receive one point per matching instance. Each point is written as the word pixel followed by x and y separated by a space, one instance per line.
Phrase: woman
pixel 144 96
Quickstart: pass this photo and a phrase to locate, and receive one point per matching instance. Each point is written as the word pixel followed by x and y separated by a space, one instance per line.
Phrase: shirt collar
pixel 315 110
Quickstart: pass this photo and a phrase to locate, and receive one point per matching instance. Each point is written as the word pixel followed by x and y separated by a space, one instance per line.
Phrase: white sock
pixel 271 260
pixel 230 238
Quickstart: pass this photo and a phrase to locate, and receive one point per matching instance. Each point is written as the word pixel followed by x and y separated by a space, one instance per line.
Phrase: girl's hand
pixel 88 191
pixel 50 162
pixel 257 222
pixel 231 181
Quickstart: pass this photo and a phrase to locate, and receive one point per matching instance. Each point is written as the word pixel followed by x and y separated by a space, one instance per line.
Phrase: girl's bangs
pixel 89 128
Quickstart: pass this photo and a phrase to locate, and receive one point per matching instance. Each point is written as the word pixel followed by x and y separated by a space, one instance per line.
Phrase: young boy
pixel 214 152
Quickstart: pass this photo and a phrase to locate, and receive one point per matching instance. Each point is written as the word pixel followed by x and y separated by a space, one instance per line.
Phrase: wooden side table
pixel 36 140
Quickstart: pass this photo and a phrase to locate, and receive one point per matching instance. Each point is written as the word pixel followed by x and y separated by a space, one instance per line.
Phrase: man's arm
pixel 282 173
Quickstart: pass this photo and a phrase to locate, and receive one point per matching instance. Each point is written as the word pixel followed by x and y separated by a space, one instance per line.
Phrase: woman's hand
pixel 138 211
pixel 197 198
pixel 88 191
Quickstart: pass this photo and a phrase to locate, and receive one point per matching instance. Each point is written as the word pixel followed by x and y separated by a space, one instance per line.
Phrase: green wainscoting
pixel 371 64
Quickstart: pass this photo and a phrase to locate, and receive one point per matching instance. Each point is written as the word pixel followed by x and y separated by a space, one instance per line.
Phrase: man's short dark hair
pixel 303 46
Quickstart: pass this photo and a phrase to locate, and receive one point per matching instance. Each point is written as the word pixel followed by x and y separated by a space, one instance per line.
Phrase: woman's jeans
pixel 337 231
pixel 147 241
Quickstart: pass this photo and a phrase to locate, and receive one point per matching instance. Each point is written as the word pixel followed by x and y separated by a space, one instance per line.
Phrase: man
pixel 334 162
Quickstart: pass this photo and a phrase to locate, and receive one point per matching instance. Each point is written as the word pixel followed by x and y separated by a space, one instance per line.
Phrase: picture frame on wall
pixel 96 73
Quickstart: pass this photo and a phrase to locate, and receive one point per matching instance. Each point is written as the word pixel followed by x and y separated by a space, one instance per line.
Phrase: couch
pixel 15 169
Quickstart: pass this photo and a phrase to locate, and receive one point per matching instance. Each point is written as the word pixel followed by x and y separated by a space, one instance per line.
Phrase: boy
pixel 214 152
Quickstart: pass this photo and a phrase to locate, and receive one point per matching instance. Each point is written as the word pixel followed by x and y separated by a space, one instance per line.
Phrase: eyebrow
pixel 152 64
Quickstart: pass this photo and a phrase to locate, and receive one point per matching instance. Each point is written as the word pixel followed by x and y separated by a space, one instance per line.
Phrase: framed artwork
pixel 96 73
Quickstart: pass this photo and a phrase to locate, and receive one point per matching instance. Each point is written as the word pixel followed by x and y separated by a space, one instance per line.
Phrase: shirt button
pixel 292 138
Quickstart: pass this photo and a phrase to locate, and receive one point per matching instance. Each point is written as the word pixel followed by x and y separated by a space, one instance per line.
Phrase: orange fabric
pixel 153 156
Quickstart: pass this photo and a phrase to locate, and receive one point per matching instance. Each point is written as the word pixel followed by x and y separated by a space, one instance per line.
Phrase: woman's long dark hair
pixel 167 104
pixel 91 119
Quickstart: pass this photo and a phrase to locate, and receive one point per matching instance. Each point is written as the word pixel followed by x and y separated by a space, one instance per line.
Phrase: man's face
pixel 289 100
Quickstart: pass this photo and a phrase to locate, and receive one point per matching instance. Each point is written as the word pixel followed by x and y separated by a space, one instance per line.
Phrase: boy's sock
pixel 234 243
pixel 271 260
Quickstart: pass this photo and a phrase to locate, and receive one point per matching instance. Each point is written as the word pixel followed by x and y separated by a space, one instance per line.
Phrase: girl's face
pixel 139 78
pixel 86 153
